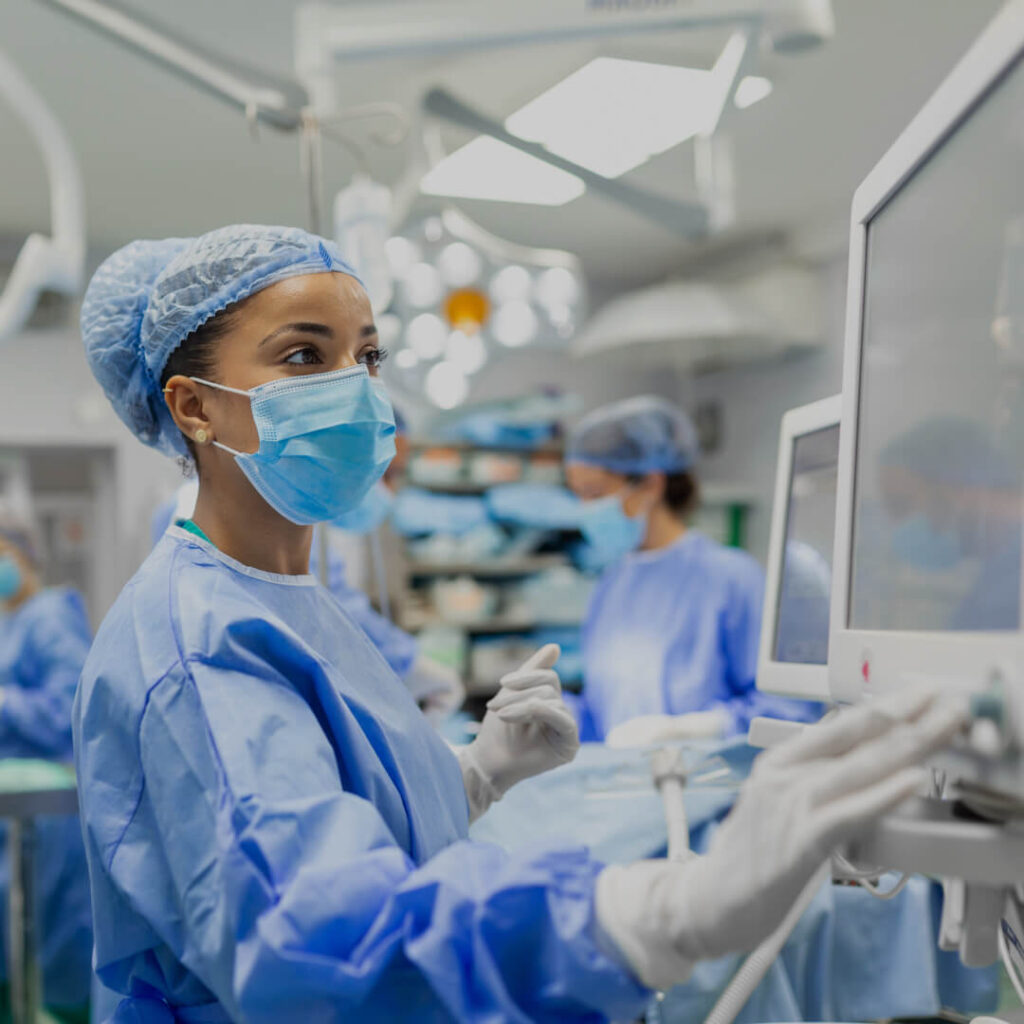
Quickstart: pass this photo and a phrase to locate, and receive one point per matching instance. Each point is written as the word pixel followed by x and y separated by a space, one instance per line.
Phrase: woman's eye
pixel 374 357
pixel 306 356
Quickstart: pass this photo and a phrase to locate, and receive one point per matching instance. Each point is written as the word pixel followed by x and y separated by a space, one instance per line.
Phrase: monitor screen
pixel 805 581
pixel 940 427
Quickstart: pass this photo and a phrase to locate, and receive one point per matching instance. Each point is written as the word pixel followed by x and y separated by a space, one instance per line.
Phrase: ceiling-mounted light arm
pixel 335 127
pixel 737 60
pixel 55 263
pixel 270 99
pixel 369 111
pixel 714 168
pixel 326 34
pixel 688 219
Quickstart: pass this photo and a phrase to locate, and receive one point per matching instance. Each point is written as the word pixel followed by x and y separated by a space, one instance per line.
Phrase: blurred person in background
pixel 44 640
pixel 670 639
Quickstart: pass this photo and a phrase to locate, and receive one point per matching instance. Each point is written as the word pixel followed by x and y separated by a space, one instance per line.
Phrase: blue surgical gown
pixel 275 832
pixel 672 631
pixel 43 645
pixel 397 646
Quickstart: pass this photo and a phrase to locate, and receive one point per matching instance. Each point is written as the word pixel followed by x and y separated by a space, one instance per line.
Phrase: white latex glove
pixel 802 799
pixel 527 730
pixel 649 730
pixel 435 687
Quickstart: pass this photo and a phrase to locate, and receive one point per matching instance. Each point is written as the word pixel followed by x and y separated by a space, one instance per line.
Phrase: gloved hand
pixel 527 730
pixel 648 730
pixel 802 799
pixel 436 688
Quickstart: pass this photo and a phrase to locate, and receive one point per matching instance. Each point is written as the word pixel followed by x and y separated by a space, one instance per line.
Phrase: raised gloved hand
pixel 527 730
pixel 436 688
pixel 649 730
pixel 802 799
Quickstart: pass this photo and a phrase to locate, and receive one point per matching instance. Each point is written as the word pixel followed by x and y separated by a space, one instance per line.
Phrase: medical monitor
pixel 927 566
pixel 793 658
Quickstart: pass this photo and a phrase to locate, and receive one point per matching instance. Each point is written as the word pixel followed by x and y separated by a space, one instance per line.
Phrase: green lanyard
pixel 187 524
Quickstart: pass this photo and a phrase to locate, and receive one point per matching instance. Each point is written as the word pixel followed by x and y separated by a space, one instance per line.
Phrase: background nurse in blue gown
pixel 673 626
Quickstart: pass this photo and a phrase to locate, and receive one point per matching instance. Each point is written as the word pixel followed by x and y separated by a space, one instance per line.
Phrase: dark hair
pixel 682 492
pixel 195 356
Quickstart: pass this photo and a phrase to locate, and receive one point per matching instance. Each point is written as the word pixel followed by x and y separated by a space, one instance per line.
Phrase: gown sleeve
pixel 35 719
pixel 292 900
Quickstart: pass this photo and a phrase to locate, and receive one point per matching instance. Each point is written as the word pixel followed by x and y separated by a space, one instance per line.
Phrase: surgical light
pixel 467 309
pixel 751 90
pixel 613 115
pixel 403 254
pixel 460 264
pixel 426 335
pixel 514 324
pixel 557 289
pixel 466 351
pixel 488 169
pixel 511 283
pixel 422 286
pixel 406 359
pixel 389 329
pixel 446 385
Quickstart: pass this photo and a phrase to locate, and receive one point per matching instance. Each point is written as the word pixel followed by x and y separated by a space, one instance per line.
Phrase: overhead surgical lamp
pixel 45 263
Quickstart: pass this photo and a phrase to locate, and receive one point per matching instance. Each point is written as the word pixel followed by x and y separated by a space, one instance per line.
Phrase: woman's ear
pixel 644 494
pixel 184 399
pixel 653 487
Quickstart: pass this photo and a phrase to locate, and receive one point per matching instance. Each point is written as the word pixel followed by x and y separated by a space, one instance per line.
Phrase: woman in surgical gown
pixel 670 638
pixel 274 832
pixel 436 688
pixel 44 639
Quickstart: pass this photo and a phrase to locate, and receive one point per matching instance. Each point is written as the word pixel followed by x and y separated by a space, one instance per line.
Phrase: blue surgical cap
pixel 635 436
pixel 149 296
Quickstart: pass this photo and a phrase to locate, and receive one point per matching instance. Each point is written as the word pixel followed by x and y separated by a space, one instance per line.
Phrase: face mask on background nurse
pixel 631 464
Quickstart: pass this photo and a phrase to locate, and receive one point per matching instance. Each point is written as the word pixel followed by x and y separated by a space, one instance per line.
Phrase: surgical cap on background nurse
pixel 673 625
pixel 44 639
pixel 274 831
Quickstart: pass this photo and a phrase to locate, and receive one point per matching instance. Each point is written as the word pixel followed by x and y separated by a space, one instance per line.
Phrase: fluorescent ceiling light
pixel 613 115
pixel 751 90
pixel 488 169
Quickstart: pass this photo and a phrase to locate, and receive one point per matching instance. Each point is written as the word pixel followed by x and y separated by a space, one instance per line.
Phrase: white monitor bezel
pixel 785 678
pixel 865 662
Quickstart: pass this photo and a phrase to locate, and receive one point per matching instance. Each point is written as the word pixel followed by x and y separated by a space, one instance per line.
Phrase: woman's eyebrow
pixel 305 328
pixel 369 331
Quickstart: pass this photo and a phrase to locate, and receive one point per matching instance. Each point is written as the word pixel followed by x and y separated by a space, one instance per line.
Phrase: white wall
pixel 753 400
pixel 48 397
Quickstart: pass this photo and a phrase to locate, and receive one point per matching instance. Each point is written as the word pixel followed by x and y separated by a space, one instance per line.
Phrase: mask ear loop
pixel 219 387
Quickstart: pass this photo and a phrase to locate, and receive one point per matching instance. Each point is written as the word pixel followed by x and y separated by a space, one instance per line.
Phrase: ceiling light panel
pixel 488 169
pixel 613 115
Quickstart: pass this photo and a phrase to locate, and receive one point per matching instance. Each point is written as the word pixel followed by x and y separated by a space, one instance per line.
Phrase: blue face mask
pixel 609 530
pixel 10 577
pixel 370 513
pixel 325 440
pixel 917 543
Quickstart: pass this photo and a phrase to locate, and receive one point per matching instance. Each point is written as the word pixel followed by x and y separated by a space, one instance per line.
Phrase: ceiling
pixel 160 158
